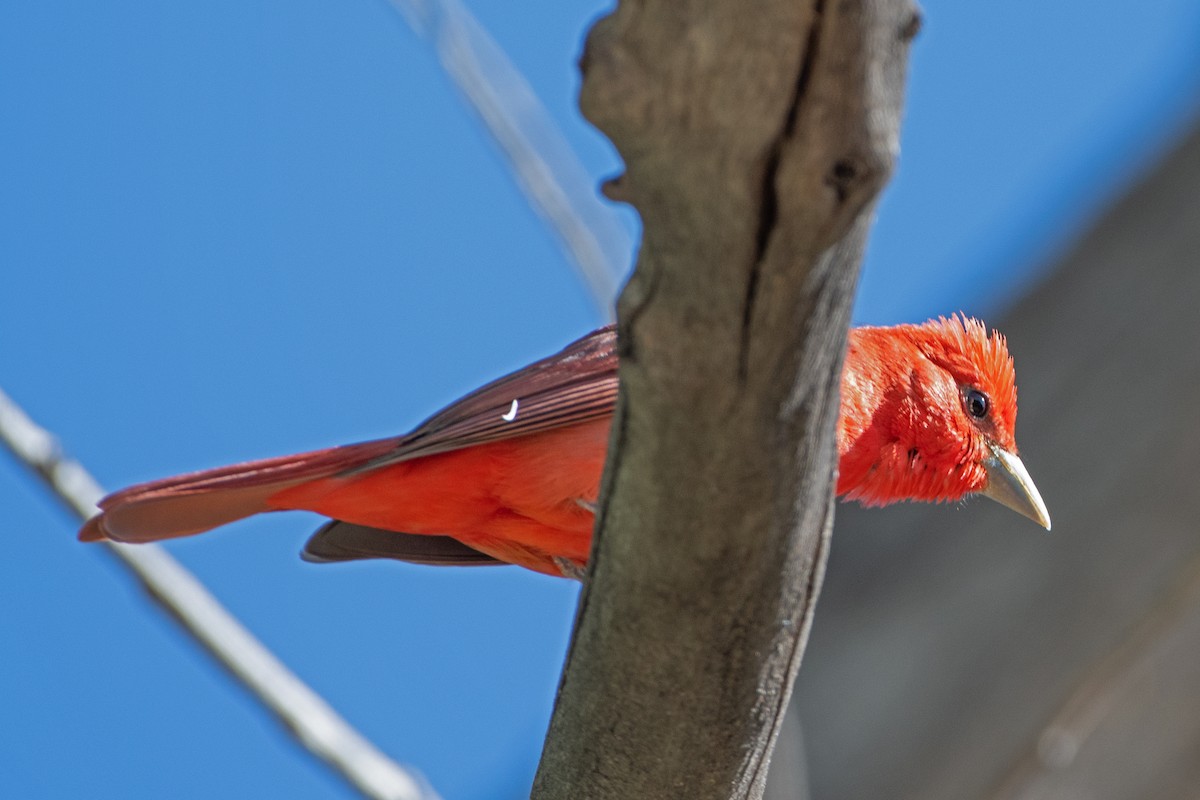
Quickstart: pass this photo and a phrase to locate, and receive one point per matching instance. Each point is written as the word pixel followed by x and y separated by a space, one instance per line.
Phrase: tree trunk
pixel 756 140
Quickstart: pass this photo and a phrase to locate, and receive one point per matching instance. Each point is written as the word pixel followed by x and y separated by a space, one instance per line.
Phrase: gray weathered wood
pixel 962 653
pixel 755 139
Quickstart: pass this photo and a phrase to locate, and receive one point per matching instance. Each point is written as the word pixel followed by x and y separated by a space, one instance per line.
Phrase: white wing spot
pixel 512 412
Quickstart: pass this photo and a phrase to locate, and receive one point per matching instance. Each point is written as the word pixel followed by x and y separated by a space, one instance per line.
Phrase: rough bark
pixel 756 140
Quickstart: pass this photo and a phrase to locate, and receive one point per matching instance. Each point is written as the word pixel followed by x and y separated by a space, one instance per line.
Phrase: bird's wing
pixel 344 541
pixel 577 384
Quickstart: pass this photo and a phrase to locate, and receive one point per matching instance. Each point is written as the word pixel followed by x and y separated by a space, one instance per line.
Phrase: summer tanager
pixel 510 473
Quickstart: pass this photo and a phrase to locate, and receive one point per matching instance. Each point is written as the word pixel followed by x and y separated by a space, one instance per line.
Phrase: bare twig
pixel 544 165
pixel 315 725
pixel 1108 683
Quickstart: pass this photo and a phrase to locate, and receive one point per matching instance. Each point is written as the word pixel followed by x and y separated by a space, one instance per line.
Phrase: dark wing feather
pixel 344 541
pixel 577 384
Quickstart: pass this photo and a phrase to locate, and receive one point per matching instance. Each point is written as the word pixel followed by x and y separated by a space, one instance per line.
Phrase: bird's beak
pixel 1010 485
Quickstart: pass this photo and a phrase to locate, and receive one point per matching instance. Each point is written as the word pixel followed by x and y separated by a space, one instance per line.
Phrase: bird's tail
pixel 199 501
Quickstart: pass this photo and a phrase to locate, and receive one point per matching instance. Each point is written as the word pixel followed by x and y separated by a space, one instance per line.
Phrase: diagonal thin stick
pixel 315 725
pixel 560 190
pixel 545 167
pixel 1104 686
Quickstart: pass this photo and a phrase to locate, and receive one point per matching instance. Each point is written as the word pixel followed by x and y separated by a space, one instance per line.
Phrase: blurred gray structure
pixel 965 653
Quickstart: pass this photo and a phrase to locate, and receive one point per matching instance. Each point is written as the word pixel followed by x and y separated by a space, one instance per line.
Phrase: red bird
pixel 510 473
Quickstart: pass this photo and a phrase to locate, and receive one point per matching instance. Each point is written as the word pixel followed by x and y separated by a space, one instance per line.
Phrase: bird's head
pixel 937 409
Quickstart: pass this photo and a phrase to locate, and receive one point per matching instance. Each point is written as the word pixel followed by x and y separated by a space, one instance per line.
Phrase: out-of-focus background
pixel 237 229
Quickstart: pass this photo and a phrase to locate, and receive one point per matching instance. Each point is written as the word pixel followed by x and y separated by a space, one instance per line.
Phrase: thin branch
pixel 544 165
pixel 314 724
pixel 599 247
pixel 1108 683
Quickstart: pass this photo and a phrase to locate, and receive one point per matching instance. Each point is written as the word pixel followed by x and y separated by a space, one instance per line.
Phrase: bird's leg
pixel 570 568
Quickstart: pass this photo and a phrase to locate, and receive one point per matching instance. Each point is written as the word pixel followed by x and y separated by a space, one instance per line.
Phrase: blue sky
pixel 240 229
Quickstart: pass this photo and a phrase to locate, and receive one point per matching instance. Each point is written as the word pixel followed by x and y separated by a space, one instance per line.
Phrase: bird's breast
pixel 526 494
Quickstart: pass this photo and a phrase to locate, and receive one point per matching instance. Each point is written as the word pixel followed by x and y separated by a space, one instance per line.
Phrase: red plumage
pixel 512 470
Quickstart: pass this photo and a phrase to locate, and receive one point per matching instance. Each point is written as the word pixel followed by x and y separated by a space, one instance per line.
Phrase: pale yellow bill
pixel 1009 484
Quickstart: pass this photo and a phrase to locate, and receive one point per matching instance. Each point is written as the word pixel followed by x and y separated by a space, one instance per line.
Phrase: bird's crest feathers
pixel 977 359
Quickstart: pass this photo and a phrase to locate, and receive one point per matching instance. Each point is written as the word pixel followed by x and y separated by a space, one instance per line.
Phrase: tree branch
pixel 544 166
pixel 755 145
pixel 314 724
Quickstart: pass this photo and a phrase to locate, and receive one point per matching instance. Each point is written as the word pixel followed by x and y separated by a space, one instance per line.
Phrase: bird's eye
pixel 977 403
